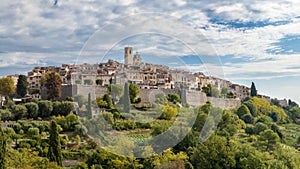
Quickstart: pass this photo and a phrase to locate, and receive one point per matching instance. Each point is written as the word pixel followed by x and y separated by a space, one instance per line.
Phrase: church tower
pixel 128 59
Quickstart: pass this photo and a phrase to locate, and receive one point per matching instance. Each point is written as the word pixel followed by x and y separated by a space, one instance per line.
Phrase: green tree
pixel 253 90
pixel 54 151
pixel 19 111
pixel 133 92
pixel 242 111
pixel 126 99
pixel 268 140
pixel 89 106
pixel 173 97
pixel 169 112
pixel 22 86
pixel 7 86
pixel 215 153
pixel 52 81
pixel 2 149
pixel 32 110
pixel 45 108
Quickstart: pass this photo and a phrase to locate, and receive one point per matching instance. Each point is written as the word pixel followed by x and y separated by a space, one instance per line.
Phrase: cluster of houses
pixel 144 75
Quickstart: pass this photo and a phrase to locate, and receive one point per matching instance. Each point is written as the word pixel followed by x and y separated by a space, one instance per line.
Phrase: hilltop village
pixel 150 78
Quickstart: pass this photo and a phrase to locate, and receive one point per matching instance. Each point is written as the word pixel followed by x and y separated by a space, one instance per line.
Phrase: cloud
pixel 249 31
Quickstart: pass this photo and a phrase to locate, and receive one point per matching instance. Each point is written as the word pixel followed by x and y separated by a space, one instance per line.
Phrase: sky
pixel 239 40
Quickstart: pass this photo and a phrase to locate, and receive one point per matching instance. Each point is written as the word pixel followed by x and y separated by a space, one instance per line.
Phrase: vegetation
pixel 2 149
pixel 54 152
pixel 52 82
pixel 47 134
pixel 7 86
pixel 22 85
pixel 253 90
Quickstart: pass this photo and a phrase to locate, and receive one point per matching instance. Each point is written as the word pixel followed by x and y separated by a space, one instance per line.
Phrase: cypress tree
pixel 22 85
pixel 2 149
pixel 89 106
pixel 253 90
pixel 54 151
pixel 126 98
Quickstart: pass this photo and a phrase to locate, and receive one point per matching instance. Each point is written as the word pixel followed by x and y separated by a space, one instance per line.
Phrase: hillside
pixel 257 134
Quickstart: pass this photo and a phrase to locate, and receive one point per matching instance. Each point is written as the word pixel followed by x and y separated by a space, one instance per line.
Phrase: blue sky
pixel 247 41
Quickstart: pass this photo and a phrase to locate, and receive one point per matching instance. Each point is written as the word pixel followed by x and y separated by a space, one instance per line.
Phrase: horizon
pixel 255 41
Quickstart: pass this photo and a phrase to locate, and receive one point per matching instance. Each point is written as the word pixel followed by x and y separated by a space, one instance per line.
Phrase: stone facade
pixel 197 98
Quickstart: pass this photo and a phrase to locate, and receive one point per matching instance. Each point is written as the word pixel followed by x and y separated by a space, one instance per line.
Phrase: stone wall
pixel 197 98
pixel 73 90
pixel 148 95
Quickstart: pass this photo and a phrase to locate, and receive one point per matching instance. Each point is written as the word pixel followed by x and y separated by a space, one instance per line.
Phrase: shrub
pixel 32 110
pixel 45 108
pixel 33 131
pixel 19 111
pixel 169 112
pixel 5 115
pixel 248 118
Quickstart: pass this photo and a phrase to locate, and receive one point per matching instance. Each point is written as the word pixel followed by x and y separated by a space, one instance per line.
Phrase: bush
pixel 242 111
pixel 33 131
pixel 45 108
pixel 32 110
pixel 62 108
pixel 169 112
pixel 259 127
pixel 172 97
pixel 19 111
pixel 5 115
pixel 248 118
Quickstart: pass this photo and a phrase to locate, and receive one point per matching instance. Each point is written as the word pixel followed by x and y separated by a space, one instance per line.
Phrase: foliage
pixel 253 90
pixel 68 122
pixel 24 158
pixel 243 110
pixel 7 86
pixel 173 97
pixel 133 92
pixel 32 110
pixel 54 152
pixel 19 112
pixel 268 140
pixel 89 106
pixel 5 115
pixel 2 149
pixel 22 85
pixel 125 100
pixel 52 81
pixel 169 112
pixel 33 131
pixel 211 91
pixel 62 108
pixel 45 108
pixel 216 152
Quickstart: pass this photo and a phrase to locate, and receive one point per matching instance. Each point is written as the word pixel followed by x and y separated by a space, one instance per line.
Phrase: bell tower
pixel 128 59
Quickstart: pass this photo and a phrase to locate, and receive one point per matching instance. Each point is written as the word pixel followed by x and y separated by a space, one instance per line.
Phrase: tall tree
pixel 54 151
pixel 52 81
pixel 253 90
pixel 133 92
pixel 22 86
pixel 2 149
pixel 7 86
pixel 126 99
pixel 89 106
